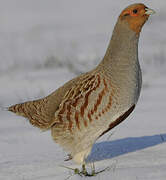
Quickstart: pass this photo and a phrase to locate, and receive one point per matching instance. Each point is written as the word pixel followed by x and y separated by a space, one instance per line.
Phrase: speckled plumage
pixel 86 107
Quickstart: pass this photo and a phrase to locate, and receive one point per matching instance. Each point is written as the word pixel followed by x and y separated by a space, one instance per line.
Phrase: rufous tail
pixel 35 112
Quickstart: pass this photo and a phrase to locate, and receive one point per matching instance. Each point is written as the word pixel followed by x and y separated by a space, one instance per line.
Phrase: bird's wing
pixel 41 112
pixel 83 102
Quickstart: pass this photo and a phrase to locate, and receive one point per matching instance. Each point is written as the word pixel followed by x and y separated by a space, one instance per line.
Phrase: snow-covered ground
pixel 45 43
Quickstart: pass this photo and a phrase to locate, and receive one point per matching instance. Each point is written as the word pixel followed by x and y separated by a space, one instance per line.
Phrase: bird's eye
pixel 135 11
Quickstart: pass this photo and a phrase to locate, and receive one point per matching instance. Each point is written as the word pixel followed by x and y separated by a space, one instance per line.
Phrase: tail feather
pixel 35 112
pixel 18 109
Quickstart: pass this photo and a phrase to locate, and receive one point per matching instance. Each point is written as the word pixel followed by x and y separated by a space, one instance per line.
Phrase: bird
pixel 91 104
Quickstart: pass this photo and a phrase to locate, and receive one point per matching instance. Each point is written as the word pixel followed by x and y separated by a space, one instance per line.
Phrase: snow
pixel 46 43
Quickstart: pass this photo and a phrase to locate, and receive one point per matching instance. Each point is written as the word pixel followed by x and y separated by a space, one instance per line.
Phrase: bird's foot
pixel 84 172
pixel 69 157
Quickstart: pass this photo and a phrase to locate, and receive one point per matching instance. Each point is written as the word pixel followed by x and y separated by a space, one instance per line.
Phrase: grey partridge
pixel 88 106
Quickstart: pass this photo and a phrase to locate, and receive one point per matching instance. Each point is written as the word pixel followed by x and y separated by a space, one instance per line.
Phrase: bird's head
pixel 135 16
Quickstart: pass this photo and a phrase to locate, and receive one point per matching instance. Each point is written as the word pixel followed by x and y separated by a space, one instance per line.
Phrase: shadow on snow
pixel 111 149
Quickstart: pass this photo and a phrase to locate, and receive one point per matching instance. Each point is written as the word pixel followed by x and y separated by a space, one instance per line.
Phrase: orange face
pixel 136 15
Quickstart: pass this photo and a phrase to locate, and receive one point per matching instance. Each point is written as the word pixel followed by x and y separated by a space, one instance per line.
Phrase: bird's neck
pixel 122 52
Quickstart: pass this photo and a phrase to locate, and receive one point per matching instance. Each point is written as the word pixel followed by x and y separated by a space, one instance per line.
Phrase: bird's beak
pixel 149 11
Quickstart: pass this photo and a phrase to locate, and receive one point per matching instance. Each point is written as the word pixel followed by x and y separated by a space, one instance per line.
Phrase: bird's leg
pixel 93 172
pixel 93 169
pixel 84 171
